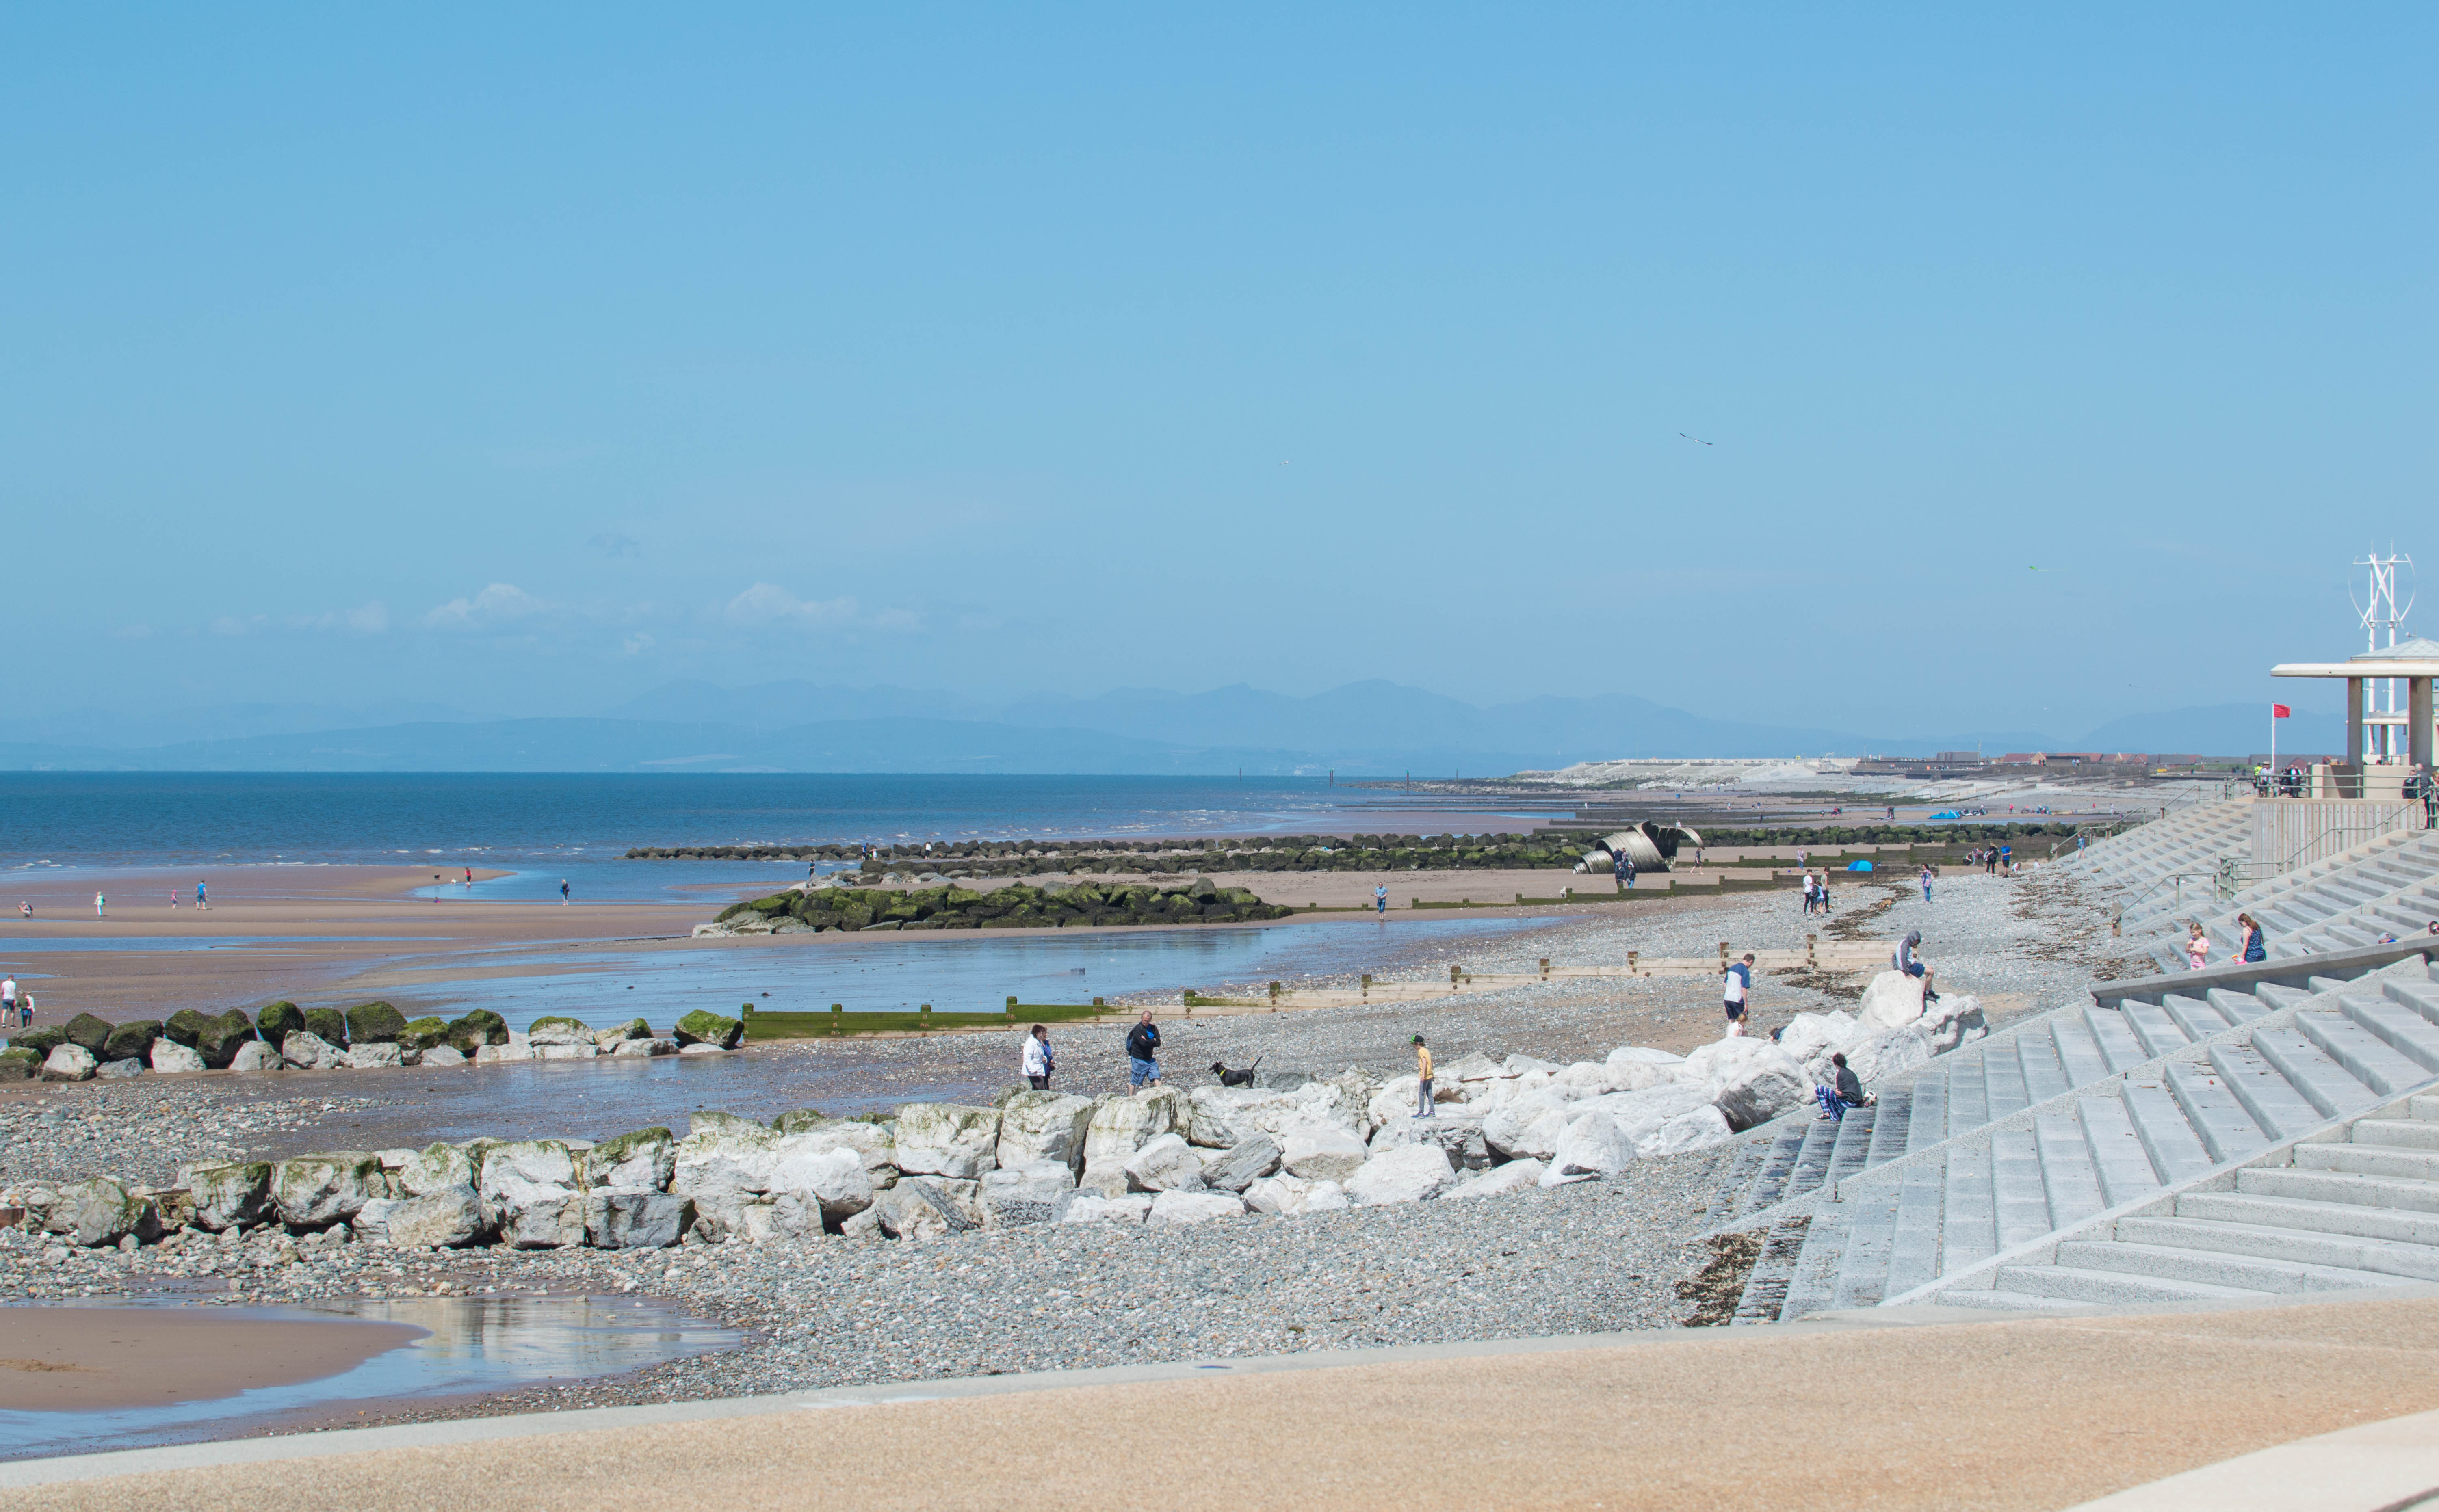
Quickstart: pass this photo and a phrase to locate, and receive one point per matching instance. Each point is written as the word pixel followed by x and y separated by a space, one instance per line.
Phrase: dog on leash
pixel 1235 1079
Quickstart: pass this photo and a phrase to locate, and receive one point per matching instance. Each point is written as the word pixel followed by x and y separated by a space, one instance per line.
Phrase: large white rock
pixel 874 1144
pixel 1043 1126
pixel 96 1212
pixel 1633 1067
pixel 947 1139
pixel 1474 1067
pixel 315 1191
pixel 557 1030
pixel 734 1158
pixel 307 1051
pixel 832 1178
pixel 532 1190
pixel 1893 1001
pixel 636 1220
pixel 1028 1192
pixel 1181 1208
pixel 441 1054
pixel 1700 1129
pixel 170 1055
pixel 1883 1056
pixel 1089 1208
pixel 541 1162
pixel 1323 1154
pixel 1232 1170
pixel 641 1162
pixel 436 1168
pixel 485 1055
pixel 1751 1079
pixel 68 1062
pixel 1292 1195
pixel 435 1220
pixel 1458 1135
pixel 1595 1145
pixel 1516 1176
pixel 253 1054
pixel 1167 1164
pixel 1951 1022
pixel 1225 1117
pixel 1409 1173
pixel 1809 1034
pixel 1526 1126
pixel 1121 1125
pixel 564 1052
pixel 924 1207
pixel 375 1056
pixel 228 1194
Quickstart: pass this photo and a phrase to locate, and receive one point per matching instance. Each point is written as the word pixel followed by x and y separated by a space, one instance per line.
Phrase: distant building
pixel 2082 758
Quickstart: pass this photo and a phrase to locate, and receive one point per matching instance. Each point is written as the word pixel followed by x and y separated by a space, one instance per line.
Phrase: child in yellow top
pixel 1423 1070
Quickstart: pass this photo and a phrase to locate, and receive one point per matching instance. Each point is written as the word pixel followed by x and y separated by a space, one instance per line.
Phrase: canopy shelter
pixel 2416 661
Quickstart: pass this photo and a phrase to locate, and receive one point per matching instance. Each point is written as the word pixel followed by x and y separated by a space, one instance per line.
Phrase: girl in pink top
pixel 2196 946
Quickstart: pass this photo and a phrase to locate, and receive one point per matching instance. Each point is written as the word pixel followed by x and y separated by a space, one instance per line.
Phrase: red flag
pixel 2280 711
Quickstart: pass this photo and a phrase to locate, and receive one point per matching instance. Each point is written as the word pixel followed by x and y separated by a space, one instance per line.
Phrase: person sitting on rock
pixel 1904 959
pixel 1847 1092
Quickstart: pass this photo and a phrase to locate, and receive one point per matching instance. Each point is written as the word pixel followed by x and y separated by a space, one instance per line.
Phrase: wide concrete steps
pixel 2027 1139
pixel 2388 886
pixel 2353 1208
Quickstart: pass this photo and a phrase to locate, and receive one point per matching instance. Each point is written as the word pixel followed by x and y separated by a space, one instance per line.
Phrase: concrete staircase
pixel 2192 839
pixel 2388 886
pixel 2063 1121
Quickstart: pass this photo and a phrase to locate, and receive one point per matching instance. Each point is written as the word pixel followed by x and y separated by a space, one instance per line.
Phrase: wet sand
pixel 83 1360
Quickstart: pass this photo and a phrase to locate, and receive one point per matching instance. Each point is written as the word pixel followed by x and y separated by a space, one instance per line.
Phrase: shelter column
pixel 2354 723
pixel 2417 736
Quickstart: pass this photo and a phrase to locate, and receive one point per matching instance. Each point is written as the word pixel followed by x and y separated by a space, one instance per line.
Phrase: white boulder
pixel 1810 1034
pixel 307 1051
pixel 1030 1192
pixel 1883 1056
pixel 68 1062
pixel 1516 1176
pixel 1088 1208
pixel 436 1168
pixel 1121 1125
pixel 1167 1164
pixel 1751 1079
pixel 1893 1001
pixel 170 1055
pixel 376 1056
pixel 1595 1145
pixel 435 1220
pixel 1951 1021
pixel 833 1179
pixel 253 1054
pixel 1322 1154
pixel 734 1158
pixel 1700 1129
pixel 1038 1126
pixel 441 1054
pixel 1183 1207
pixel 1408 1173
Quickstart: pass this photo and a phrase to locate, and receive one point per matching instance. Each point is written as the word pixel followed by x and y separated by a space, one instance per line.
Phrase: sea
pixel 543 828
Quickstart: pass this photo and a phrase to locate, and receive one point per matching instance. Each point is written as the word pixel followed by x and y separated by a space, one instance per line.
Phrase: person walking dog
pixel 1143 1054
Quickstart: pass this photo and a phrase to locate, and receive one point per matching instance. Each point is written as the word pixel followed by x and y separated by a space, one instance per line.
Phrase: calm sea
pixel 145 819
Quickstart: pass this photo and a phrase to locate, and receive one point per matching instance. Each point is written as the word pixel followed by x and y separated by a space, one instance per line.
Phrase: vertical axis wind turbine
pixel 2381 613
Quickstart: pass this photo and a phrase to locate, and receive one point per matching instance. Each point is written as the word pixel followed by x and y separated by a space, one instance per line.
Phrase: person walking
pixel 1735 987
pixel 100 905
pixel 562 892
pixel 8 1001
pixel 25 1010
pixel 203 899
pixel 25 909
pixel 2007 859
pixel 1143 1054
pixel 2253 949
pixel 2197 946
pixel 1380 901
pixel 1037 1058
pixel 1622 869
pixel 1424 1107
pixel 1926 885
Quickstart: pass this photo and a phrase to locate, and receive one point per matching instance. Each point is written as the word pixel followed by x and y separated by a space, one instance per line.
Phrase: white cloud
pixel 237 625
pixel 365 619
pixel 636 644
pixel 495 605
pixel 770 604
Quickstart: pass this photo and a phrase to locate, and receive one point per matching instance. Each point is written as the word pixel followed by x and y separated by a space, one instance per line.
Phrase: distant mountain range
pixel 1362 729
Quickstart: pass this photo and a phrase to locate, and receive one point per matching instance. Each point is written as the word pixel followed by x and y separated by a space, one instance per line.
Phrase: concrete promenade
pixel 1893 1409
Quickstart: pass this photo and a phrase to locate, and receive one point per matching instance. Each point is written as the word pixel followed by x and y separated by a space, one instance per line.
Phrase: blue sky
pixel 526 361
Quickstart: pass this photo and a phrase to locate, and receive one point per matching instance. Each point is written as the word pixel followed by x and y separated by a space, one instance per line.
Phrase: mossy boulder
pixel 219 1039
pixel 422 1034
pixel 185 1027
pixel 19 1065
pixel 476 1029
pixel 91 1033
pixel 703 1027
pixel 375 1022
pixel 801 1121
pixel 329 1024
pixel 277 1021
pixel 130 1040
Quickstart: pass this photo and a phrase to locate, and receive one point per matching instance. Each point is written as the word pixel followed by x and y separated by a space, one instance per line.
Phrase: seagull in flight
pixel 1698 440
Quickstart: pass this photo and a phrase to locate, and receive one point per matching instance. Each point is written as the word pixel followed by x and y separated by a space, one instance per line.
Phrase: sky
pixel 1745 358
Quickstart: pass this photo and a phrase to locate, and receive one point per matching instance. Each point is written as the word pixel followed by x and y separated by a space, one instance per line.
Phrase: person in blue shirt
pixel 2252 948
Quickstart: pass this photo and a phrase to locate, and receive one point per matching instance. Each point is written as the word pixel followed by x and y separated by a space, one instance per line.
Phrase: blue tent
pixel 1860 865
pixel 1948 813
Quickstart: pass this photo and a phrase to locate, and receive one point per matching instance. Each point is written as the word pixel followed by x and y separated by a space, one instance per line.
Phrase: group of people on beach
pixel 1994 859
pixel 1816 891
pixel 16 1005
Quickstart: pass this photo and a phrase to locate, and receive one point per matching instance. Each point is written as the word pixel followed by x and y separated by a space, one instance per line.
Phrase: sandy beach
pixel 88 1360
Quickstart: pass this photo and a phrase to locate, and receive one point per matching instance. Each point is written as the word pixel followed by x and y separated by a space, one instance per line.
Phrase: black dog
pixel 1235 1079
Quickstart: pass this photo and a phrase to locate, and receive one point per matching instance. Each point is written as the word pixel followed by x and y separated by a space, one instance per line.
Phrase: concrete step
pixel 2344 1219
pixel 2307 1247
pixel 2006 1301
pixel 2272 1101
pixel 2366 1057
pixel 2368 1160
pixel 2002 1079
pixel 2115 1037
pixel 1890 1129
pixel 1968 1098
pixel 2118 1158
pixel 2403 1030
pixel 2227 1132
pixel 1927 1121
pixel 2019 1196
pixel 2401 1133
pixel 2236 1007
pixel 2078 1053
pixel 2177 1151
pixel 2214 1268
pixel 2068 1177
pixel 2151 1025
pixel 1968 1230
pixel 2071 1284
pixel 2405 1194
pixel 2278 995
pixel 2324 1083
pixel 2424 1107
pixel 2045 1075
pixel 1914 1253
pixel 2197 1019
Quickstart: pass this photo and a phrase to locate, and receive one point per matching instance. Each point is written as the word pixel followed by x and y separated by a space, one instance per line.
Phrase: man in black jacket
pixel 1143 1054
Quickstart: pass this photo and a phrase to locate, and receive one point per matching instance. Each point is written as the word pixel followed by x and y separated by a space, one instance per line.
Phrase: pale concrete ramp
pixel 1896 1410
pixel 2389 1467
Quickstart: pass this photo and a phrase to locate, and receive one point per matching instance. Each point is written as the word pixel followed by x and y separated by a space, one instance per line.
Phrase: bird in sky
pixel 1696 439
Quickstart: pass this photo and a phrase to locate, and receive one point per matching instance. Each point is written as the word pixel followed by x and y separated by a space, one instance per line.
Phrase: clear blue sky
pixel 524 358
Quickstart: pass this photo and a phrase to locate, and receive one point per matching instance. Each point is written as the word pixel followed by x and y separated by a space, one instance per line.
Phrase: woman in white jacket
pixel 1038 1060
